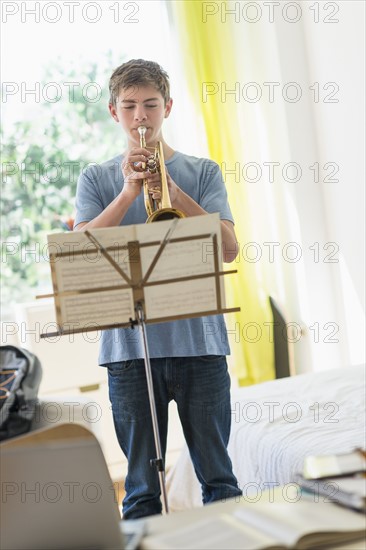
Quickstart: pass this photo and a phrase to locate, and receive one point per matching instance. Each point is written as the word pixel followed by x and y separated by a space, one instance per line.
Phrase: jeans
pixel 201 388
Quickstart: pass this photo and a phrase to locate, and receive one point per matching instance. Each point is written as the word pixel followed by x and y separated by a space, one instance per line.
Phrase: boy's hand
pixel 133 170
pixel 154 184
pixel 173 188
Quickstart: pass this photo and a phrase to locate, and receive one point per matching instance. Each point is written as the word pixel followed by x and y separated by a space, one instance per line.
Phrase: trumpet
pixel 157 210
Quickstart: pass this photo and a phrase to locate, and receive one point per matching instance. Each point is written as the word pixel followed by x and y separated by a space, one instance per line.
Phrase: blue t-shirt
pixel 201 179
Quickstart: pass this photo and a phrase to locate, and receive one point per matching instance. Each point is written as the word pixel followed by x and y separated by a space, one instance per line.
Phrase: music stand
pixel 136 282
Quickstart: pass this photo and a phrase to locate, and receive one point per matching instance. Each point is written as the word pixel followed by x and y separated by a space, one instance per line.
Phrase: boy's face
pixel 141 106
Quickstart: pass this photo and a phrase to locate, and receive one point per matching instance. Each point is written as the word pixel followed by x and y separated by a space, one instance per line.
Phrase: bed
pixel 276 424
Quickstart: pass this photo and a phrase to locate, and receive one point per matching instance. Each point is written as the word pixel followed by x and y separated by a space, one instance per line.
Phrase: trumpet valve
pixel 151 164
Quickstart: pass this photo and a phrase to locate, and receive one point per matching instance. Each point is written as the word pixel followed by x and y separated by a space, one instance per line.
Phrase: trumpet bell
pixel 157 210
pixel 163 214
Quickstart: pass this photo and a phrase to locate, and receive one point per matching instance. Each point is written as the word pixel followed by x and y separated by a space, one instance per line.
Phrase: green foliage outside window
pixel 41 162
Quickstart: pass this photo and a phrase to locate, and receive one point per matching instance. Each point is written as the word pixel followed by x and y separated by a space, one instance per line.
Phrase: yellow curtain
pixel 209 60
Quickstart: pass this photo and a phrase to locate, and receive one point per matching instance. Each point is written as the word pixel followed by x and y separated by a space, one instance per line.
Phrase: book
pixel 265 526
pixel 321 466
pixel 349 491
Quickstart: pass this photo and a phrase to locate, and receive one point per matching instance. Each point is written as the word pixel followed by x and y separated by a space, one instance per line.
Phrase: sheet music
pixel 180 298
pixel 80 276
pixel 98 309
pixel 182 259
pixel 178 260
pixel 74 241
pixel 80 273
pixel 86 268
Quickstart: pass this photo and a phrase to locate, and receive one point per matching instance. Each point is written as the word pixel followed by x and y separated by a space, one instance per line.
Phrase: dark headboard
pixel 281 352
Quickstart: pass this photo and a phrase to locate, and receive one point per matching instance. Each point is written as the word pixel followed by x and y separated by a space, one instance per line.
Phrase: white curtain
pixel 298 90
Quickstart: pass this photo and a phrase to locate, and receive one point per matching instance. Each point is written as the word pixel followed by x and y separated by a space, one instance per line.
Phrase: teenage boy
pixel 186 365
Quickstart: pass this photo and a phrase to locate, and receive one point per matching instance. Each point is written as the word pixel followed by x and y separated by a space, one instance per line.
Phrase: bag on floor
pixel 20 378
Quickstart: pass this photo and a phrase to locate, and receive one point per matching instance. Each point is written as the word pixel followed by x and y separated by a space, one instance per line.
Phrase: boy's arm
pixel 112 215
pixel 116 210
pixel 184 202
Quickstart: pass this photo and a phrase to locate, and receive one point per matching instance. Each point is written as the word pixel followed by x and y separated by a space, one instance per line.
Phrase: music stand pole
pixel 158 462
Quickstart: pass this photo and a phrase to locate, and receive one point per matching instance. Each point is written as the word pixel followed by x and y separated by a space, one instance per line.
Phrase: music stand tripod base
pixel 158 462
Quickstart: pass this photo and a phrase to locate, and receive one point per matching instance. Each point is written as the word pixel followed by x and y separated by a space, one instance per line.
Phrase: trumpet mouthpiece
pixel 141 130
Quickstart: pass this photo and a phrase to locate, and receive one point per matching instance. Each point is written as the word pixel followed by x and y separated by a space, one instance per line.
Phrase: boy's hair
pixel 139 72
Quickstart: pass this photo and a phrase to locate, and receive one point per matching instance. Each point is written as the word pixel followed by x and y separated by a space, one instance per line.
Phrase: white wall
pixel 325 294
pixel 336 53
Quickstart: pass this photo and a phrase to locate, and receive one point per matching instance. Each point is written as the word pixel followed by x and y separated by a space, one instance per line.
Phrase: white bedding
pixel 276 424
